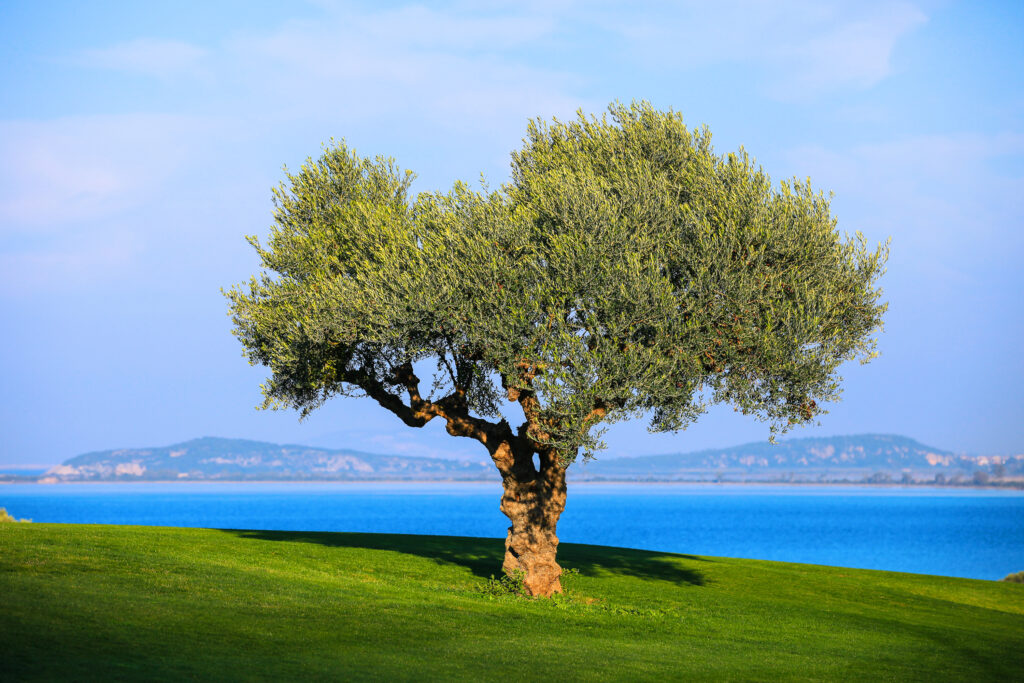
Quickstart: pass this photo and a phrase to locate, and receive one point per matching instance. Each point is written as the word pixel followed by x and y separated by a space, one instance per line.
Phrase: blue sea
pixel 975 533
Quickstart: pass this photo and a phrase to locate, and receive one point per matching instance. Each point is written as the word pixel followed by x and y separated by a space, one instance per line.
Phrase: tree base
pixel 541 573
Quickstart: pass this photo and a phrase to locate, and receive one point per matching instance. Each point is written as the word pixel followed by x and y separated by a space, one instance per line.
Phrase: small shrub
pixel 510 584
pixel 569 576
pixel 4 517
pixel 1014 578
pixel 510 587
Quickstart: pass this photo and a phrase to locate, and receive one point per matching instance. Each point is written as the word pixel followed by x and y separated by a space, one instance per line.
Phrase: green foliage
pixel 509 584
pixel 5 517
pixel 1014 578
pixel 627 269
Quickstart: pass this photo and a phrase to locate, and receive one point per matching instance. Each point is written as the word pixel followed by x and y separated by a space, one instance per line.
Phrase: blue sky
pixel 139 143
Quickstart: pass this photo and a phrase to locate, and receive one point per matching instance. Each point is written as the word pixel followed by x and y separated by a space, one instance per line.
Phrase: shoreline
pixel 1011 487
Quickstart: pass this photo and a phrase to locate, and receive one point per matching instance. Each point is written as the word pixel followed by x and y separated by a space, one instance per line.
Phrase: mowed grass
pixel 81 602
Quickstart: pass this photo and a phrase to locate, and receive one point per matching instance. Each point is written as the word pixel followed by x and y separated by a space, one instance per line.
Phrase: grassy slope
pixel 102 602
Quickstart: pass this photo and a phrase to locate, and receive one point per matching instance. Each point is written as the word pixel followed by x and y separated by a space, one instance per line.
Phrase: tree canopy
pixel 626 269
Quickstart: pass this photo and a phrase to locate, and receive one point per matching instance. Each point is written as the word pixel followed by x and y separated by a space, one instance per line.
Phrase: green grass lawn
pixel 85 602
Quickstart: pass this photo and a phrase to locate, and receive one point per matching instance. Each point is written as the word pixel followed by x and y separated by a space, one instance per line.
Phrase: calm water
pixel 972 533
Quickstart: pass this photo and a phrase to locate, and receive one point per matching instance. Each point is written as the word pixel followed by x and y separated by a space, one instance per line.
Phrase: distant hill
pixel 216 459
pixel 871 458
pixel 875 458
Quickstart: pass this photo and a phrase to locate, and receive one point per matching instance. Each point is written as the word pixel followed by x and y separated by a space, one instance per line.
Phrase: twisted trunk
pixel 533 500
pixel 534 495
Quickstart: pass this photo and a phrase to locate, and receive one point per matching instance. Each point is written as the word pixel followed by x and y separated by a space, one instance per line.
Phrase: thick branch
pixel 532 431
pixel 386 399
pixel 420 411
pixel 536 431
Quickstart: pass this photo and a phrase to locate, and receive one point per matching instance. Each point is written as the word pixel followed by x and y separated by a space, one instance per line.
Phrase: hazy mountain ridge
pixel 877 458
pixel 880 457
pixel 211 458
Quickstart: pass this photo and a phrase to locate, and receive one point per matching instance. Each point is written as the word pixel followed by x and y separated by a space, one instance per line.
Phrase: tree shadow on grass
pixel 483 556
pixel 597 560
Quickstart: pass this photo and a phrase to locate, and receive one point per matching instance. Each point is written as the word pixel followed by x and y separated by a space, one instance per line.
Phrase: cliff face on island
pixel 870 458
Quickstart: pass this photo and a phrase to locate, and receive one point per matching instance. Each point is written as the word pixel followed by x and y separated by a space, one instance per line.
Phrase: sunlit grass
pixel 102 602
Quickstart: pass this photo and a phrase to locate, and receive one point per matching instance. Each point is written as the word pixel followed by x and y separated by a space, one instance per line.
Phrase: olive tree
pixel 626 270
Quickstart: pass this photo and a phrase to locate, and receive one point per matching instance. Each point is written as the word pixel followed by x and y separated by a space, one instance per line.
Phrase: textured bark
pixel 533 500
pixel 534 495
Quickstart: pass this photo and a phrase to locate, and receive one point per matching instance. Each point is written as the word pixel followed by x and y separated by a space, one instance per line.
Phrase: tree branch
pixel 532 431
pixel 600 409
pixel 452 408
pixel 376 390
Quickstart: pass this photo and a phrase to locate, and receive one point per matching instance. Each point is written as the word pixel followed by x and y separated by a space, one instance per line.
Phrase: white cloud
pixel 942 197
pixel 82 198
pixel 799 49
pixel 147 56
pixel 458 77
pixel 57 172
pixel 458 67
pixel 856 52
pixel 456 71
pixel 419 26
pixel 441 74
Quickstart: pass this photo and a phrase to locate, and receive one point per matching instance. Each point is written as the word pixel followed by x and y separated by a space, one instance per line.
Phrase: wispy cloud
pixel 461 67
pixel 416 26
pixel 798 49
pixel 148 56
pixel 459 71
pixel 416 73
pixel 61 171
pixel 943 198
pixel 423 72
pixel 82 198
pixel 854 51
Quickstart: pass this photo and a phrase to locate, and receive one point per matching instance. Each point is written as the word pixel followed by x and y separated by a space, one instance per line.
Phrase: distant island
pixel 862 458
pixel 217 459
pixel 865 458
